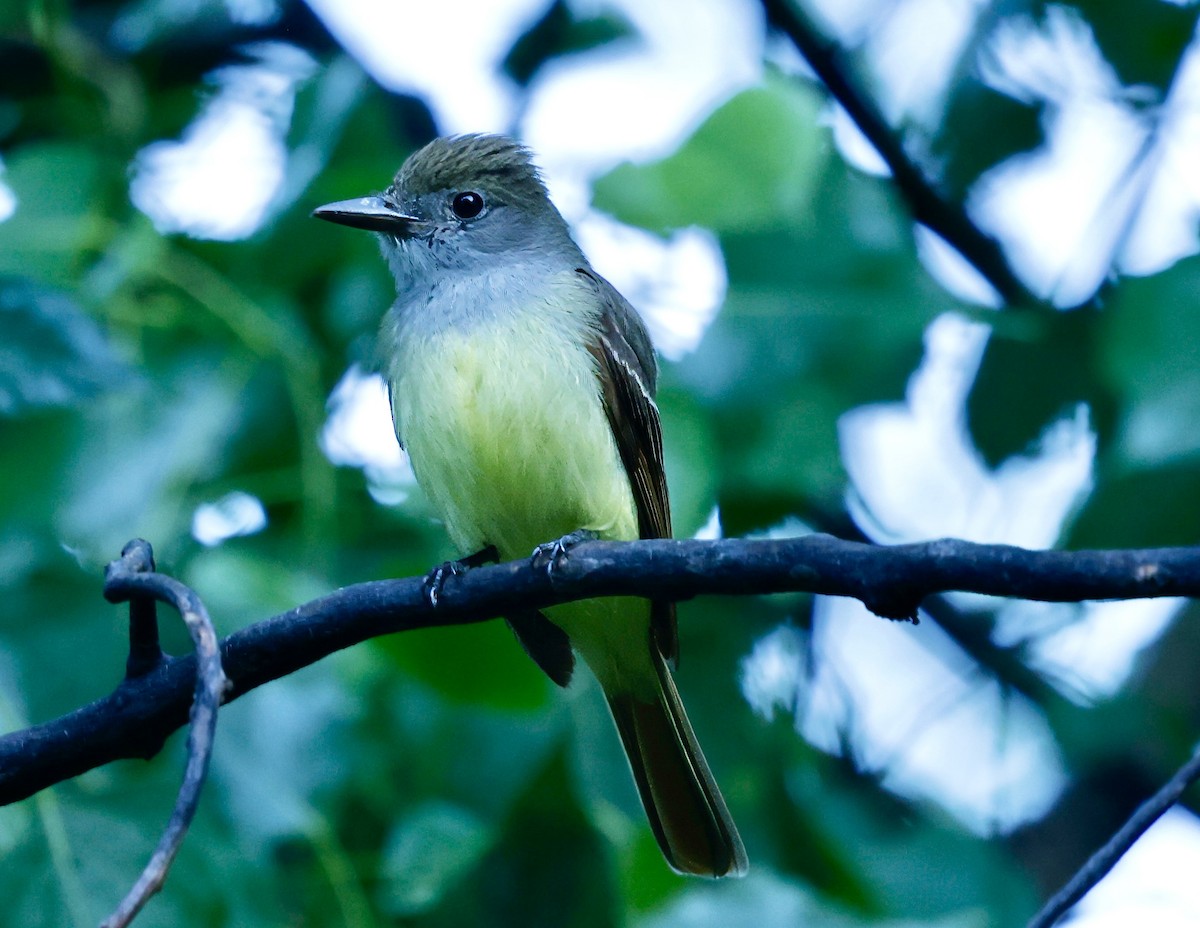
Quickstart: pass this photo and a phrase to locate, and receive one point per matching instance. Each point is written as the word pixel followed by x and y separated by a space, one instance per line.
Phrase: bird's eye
pixel 467 205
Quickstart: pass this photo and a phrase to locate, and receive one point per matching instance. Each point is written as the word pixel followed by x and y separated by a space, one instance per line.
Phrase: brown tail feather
pixel 686 811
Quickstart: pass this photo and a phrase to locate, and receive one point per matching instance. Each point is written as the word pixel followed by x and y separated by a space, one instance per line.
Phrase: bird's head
pixel 460 203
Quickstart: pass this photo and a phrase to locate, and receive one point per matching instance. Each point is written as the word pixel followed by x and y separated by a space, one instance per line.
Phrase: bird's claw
pixel 435 580
pixel 555 552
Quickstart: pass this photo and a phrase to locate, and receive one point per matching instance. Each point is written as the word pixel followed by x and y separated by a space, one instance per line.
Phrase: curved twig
pixel 134 720
pixel 131 578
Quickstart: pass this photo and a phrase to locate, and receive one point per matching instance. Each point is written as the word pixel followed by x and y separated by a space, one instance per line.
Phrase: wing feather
pixel 628 376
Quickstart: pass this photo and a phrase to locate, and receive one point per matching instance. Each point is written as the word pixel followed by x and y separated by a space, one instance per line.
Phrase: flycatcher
pixel 522 387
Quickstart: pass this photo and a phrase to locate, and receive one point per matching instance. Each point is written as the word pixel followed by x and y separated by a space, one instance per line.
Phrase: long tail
pixel 686 810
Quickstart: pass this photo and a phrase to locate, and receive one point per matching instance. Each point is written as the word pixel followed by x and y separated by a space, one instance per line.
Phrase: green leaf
pixel 1144 42
pixel 822 315
pixel 751 165
pixel 981 128
pixel 550 867
pixel 1146 348
pixel 760 901
pixel 324 104
pixel 1035 370
pixel 15 823
pixel 144 451
pixel 690 449
pixel 60 189
pixel 426 854
pixel 560 33
pixel 480 664
pixel 51 353
pixel 244 584
pixel 1147 508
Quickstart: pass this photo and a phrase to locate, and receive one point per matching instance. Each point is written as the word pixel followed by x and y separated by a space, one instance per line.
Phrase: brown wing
pixel 628 376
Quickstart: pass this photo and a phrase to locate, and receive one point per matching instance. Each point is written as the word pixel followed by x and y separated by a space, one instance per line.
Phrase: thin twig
pixel 131 579
pixel 928 206
pixel 136 719
pixel 1100 863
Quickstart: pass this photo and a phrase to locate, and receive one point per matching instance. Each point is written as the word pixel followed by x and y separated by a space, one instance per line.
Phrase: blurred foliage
pixel 560 32
pixel 437 778
pixel 704 183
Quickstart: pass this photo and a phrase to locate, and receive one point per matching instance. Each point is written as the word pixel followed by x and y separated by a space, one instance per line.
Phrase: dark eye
pixel 467 205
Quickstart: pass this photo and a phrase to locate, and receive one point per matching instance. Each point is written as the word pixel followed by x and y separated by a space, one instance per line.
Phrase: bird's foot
pixel 435 580
pixel 553 553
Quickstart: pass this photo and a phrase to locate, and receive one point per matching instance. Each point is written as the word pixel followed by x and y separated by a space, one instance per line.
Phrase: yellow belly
pixel 508 436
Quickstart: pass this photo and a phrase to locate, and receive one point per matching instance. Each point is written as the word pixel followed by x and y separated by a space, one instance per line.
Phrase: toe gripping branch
pixel 553 553
pixel 133 579
pixel 436 579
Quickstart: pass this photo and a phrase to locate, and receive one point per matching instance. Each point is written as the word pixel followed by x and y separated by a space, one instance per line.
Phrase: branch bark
pixel 136 718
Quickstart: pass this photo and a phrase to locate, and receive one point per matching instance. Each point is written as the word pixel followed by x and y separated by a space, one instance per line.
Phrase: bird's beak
pixel 375 214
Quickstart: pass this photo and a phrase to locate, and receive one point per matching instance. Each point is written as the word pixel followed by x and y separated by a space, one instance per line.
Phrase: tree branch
pixel 1100 863
pixel 928 206
pixel 135 719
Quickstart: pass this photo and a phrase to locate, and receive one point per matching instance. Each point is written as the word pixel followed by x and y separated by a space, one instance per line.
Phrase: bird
pixel 522 388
